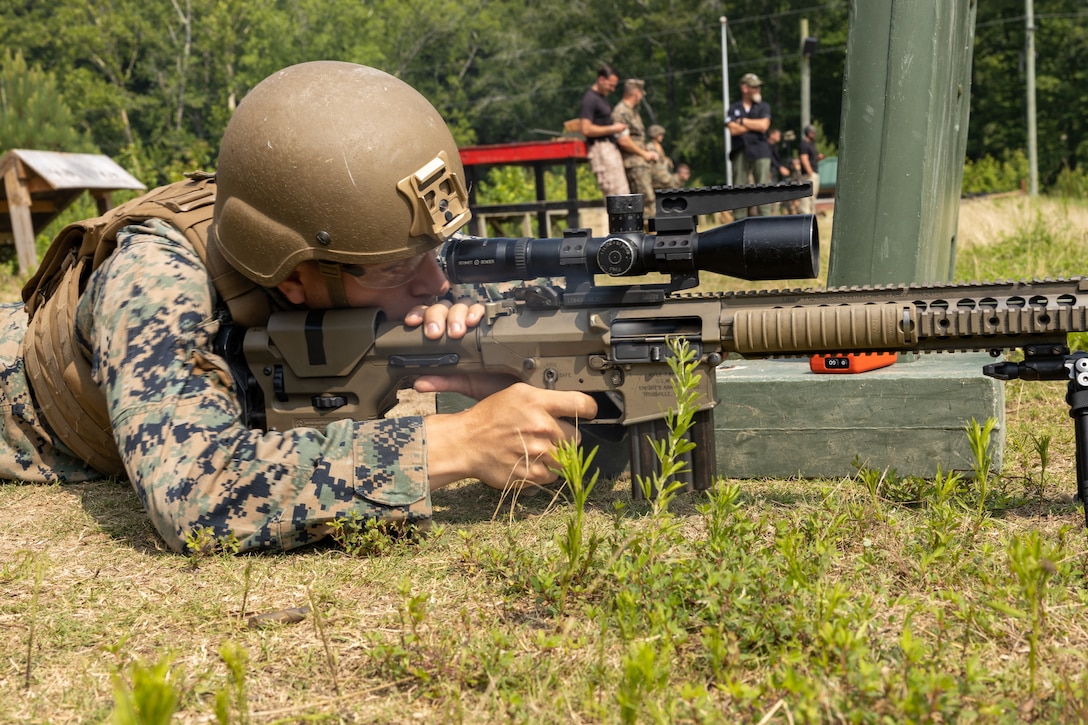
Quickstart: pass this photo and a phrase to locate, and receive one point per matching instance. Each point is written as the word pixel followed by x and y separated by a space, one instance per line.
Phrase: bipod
pixel 1055 362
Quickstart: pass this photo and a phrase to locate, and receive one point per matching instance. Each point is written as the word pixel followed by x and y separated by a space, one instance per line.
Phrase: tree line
pixel 153 84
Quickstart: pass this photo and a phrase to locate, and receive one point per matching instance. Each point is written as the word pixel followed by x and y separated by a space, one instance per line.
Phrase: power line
pixel 687 30
pixel 535 93
pixel 587 45
pixel 1041 16
pixel 786 13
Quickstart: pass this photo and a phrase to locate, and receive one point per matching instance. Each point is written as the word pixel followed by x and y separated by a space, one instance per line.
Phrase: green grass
pixel 872 598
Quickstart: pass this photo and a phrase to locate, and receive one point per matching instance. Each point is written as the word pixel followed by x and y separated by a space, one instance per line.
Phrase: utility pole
pixel 806 79
pixel 725 106
pixel 1033 145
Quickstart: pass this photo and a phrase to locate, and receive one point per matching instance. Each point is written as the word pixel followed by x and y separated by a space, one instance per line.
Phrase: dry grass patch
pixel 985 221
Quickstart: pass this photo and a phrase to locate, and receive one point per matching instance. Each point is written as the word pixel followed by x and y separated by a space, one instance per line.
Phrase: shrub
pixel 989 175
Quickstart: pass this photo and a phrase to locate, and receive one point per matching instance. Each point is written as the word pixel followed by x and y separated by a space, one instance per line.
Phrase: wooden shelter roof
pixel 55 179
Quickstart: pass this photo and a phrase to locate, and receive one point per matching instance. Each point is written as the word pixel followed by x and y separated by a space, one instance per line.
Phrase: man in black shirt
pixel 748 121
pixel 595 123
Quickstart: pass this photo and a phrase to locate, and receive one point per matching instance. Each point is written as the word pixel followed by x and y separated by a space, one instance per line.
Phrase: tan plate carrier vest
pixel 58 368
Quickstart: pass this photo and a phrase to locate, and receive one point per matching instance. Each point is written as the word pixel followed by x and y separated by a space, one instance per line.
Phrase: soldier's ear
pixel 293 288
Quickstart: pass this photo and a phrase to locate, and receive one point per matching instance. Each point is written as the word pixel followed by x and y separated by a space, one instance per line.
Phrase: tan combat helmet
pixel 338 163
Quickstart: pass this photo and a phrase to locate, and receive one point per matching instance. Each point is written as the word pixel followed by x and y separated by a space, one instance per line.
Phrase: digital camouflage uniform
pixel 638 170
pixel 28 450
pixel 149 318
pixel 662 173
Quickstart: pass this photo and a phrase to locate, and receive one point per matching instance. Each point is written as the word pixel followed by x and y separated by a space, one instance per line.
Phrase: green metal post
pixel 905 105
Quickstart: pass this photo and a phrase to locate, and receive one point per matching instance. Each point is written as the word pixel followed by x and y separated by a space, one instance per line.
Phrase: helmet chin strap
pixel 334 283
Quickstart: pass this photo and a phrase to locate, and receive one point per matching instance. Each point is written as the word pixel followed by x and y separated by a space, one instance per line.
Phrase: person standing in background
pixel 596 124
pixel 638 154
pixel 780 169
pixel 810 164
pixel 663 174
pixel 780 172
pixel 748 121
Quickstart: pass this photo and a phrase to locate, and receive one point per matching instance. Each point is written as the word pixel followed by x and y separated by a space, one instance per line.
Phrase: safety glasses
pixel 386 276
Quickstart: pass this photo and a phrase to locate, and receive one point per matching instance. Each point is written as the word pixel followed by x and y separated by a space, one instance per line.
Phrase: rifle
pixel 612 341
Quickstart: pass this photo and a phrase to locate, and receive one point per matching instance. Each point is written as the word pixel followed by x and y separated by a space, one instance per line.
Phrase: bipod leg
pixel 1077 397
pixel 1052 361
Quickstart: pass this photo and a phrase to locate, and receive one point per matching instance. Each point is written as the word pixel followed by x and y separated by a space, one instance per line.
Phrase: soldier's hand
pixel 506 440
pixel 445 318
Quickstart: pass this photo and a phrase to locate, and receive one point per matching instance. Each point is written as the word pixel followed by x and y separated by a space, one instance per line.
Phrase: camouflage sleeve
pixel 149 320
pixel 620 115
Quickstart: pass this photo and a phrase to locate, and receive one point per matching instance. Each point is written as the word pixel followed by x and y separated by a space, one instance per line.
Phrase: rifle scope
pixel 756 248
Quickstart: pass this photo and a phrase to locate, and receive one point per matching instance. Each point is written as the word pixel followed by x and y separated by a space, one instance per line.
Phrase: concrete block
pixel 777 419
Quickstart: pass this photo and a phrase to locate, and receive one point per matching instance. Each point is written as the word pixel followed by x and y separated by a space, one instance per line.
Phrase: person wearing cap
pixel 748 121
pixel 663 174
pixel 596 124
pixel 638 154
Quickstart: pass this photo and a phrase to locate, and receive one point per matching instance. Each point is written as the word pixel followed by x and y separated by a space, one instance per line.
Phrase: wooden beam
pixel 7 161
pixel 37 206
pixel 22 227
pixel 103 199
pixel 37 185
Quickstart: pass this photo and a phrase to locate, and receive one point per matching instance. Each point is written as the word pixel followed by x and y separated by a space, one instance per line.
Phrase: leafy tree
pixel 33 114
pixel 998 103
pixel 154 83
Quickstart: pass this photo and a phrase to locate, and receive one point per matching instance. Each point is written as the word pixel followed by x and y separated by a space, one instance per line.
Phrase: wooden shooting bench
pixel 539 155
pixel 39 185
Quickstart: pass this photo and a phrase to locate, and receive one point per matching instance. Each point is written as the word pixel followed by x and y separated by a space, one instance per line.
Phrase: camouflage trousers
pixel 662 178
pixel 607 165
pixel 640 179
pixel 751 171
pixel 807 205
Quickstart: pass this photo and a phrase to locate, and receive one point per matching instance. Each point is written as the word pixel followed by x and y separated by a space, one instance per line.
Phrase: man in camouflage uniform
pixel 146 325
pixel 663 174
pixel 634 145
